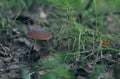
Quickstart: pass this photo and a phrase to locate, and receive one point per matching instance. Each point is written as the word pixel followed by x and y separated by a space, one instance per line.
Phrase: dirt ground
pixel 17 50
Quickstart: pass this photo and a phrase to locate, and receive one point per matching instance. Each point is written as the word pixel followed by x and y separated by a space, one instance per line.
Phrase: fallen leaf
pixel 105 43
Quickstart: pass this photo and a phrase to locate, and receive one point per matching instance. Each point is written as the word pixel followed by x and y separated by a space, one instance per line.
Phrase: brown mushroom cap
pixel 38 33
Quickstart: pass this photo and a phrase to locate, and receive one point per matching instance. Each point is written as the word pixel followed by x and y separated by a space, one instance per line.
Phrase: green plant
pixel 98 70
pixel 73 39
pixel 15 4
pixel 56 68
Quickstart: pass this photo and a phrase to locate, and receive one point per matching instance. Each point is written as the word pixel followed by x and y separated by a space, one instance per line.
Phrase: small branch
pixel 80 16
pixel 108 13
pixel 88 5
pixel 20 67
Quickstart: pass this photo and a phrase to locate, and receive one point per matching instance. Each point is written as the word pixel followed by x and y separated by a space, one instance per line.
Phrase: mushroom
pixel 40 35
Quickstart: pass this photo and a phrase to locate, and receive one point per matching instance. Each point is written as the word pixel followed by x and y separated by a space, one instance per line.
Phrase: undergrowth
pixel 75 39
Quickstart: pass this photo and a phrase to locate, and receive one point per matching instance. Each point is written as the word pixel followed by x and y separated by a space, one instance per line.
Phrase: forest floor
pixel 18 55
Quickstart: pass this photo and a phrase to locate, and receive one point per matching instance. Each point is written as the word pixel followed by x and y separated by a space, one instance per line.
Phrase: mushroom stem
pixel 39 44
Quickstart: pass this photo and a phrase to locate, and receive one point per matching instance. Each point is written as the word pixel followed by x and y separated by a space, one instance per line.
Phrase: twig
pixel 108 13
pixel 18 68
pixel 88 5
